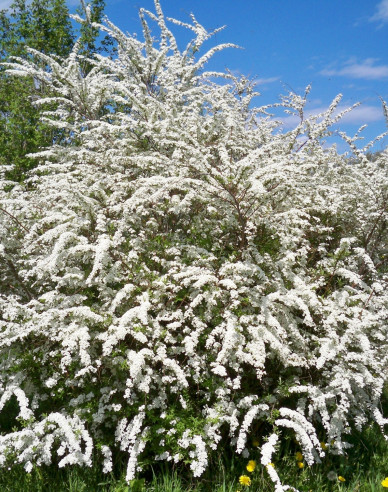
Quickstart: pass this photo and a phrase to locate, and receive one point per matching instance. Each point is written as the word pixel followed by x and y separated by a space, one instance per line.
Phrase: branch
pixel 20 281
pixel 15 219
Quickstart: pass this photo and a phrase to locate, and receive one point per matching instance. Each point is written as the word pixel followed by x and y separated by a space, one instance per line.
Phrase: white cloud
pixel 363 114
pixel 382 12
pixel 366 69
pixel 360 115
pixel 4 4
pixel 268 80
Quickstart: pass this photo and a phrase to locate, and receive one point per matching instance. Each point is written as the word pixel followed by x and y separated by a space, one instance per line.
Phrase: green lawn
pixel 365 466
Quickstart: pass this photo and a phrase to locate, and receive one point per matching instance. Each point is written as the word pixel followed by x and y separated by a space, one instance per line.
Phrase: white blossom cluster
pixel 180 271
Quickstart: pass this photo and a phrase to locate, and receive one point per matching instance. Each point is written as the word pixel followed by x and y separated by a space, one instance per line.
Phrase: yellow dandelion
pixel 299 456
pixel 341 479
pixel 245 480
pixel 251 465
pixel 384 483
pixel 300 464
pixel 323 446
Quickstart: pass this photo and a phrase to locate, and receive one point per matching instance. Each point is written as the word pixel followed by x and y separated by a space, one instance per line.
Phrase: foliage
pixel 364 468
pixel 45 26
pixel 179 275
pixel 89 32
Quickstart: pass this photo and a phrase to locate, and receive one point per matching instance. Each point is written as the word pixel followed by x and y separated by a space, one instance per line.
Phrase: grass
pixel 364 467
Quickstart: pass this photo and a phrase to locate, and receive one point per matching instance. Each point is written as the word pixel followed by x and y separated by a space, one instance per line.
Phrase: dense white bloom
pixel 199 463
pixel 107 465
pixel 180 270
pixel 268 449
pixel 246 424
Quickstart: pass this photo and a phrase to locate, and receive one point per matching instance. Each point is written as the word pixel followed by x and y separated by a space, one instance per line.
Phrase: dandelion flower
pixel 300 464
pixel 299 456
pixel 251 465
pixel 384 483
pixel 245 480
pixel 341 479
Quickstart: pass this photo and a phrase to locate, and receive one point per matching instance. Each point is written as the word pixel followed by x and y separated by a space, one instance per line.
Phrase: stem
pixel 15 219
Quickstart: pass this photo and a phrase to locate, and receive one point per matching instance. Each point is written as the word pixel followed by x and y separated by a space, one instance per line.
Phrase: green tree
pixel 45 26
pixel 89 35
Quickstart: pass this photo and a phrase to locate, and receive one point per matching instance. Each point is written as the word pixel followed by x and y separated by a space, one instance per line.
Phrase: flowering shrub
pixel 182 272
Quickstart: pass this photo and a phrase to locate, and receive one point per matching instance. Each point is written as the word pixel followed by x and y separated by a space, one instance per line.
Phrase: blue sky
pixel 338 46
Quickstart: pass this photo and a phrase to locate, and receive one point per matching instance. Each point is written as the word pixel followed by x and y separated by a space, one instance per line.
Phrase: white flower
pixel 176 258
pixel 108 464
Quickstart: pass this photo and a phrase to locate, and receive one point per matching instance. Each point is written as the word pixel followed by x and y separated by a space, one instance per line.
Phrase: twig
pixel 15 219
pixel 17 276
pixel 366 303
